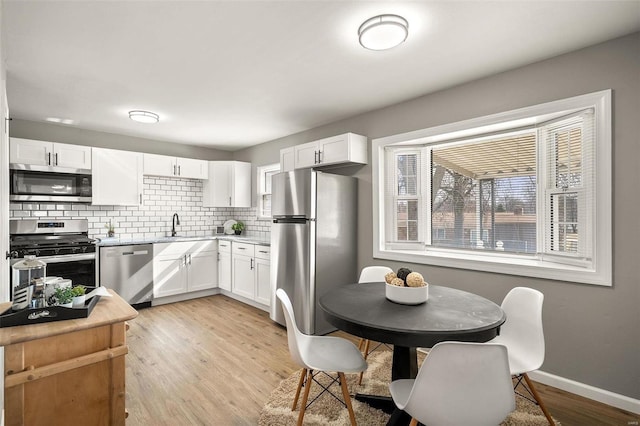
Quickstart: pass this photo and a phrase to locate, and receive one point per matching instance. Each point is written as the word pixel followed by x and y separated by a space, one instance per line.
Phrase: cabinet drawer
pixel 243 249
pixel 224 246
pixel 263 252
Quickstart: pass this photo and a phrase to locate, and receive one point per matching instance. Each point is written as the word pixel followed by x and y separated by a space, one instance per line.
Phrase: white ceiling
pixel 231 74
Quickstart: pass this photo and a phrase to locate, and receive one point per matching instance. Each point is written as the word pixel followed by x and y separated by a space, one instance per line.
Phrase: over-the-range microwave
pixel 42 183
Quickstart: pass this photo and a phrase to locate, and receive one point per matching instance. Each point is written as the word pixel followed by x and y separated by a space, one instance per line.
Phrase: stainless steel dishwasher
pixel 128 270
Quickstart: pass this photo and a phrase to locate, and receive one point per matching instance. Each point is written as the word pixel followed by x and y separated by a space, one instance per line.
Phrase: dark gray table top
pixel 449 314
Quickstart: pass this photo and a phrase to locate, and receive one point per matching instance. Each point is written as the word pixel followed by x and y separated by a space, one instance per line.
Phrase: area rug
pixel 326 411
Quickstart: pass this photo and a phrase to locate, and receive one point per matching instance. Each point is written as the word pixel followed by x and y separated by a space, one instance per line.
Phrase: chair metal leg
pixel 538 399
pixel 303 373
pixel 305 397
pixel 347 398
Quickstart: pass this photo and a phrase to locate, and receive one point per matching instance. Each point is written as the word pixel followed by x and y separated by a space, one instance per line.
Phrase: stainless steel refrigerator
pixel 313 242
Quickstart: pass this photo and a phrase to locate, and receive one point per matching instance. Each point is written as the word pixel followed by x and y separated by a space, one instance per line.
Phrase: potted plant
pixel 238 227
pixel 79 296
pixel 111 229
pixel 64 296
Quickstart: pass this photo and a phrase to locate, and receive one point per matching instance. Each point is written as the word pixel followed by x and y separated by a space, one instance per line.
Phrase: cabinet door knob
pixel 56 159
pixel 178 170
pixel 174 169
pixel 48 158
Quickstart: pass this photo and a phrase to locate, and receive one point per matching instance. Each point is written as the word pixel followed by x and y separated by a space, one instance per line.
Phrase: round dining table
pixel 448 315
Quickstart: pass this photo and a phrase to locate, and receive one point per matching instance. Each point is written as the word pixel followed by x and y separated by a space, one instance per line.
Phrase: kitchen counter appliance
pixel 313 242
pixel 57 185
pixel 64 245
pixel 128 270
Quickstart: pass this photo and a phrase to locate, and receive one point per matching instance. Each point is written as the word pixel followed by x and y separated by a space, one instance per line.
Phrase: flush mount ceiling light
pixel 383 32
pixel 144 116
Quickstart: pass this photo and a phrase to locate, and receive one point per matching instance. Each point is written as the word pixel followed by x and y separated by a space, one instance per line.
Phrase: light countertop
pixel 116 241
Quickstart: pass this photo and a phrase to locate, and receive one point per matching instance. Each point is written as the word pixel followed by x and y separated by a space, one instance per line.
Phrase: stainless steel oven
pixel 64 245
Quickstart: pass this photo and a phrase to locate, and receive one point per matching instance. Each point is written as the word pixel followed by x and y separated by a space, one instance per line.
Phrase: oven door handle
pixel 67 258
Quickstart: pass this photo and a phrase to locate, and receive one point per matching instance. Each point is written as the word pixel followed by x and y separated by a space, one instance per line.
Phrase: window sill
pixel 502 264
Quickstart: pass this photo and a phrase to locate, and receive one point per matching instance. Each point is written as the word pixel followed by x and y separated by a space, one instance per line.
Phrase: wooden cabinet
pixel 183 267
pixel 168 166
pixel 251 272
pixel 43 153
pixel 117 177
pixel 347 148
pixel 287 159
pixel 224 265
pixel 229 184
pixel 68 372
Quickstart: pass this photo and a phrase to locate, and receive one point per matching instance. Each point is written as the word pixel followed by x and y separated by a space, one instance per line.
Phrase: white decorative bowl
pixel 407 295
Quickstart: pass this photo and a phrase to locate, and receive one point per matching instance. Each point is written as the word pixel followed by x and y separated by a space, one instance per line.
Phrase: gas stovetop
pixel 49 238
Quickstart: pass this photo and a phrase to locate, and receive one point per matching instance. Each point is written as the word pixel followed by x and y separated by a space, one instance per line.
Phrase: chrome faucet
pixel 174 221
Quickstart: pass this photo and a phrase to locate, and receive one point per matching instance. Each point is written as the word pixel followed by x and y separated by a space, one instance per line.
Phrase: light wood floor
pixel 214 361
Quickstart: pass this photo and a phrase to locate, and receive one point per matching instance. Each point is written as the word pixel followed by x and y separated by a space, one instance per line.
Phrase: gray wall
pixel 76 136
pixel 592 333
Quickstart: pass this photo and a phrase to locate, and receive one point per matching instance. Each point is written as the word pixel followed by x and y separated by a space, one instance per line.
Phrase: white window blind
pixel 405 198
pixel 569 193
pixel 265 173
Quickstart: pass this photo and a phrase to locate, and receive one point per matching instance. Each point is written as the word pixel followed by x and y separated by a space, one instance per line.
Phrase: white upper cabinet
pixel 42 153
pixel 117 177
pixel 192 168
pixel 168 166
pixel 287 162
pixel 347 148
pixel 229 184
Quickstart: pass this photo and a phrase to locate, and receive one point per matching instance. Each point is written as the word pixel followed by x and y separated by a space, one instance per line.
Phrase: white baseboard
pixel 587 391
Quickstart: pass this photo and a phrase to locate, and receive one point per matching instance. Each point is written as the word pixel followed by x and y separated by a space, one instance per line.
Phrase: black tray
pixel 49 314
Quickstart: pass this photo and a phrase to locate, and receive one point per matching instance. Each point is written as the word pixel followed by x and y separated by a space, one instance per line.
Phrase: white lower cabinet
pixel 224 265
pixel 243 275
pixel 183 267
pixel 263 281
pixel 251 272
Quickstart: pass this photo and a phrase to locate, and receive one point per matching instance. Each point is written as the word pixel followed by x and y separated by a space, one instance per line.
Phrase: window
pixel 264 188
pixel 513 193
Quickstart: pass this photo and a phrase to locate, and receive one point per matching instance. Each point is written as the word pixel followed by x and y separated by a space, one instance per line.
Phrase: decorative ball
pixel 415 279
pixel 403 272
pixel 397 282
pixel 390 276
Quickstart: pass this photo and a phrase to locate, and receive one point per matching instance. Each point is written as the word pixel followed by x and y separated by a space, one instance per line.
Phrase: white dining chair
pixel 370 274
pixel 319 354
pixel 523 336
pixel 458 383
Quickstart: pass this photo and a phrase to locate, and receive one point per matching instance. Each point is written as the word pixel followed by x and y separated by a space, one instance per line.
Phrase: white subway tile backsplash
pixel 162 197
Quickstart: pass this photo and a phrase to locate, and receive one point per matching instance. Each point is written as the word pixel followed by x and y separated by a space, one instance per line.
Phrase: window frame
pixel 598 271
pixel 261 172
pixel 419 197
